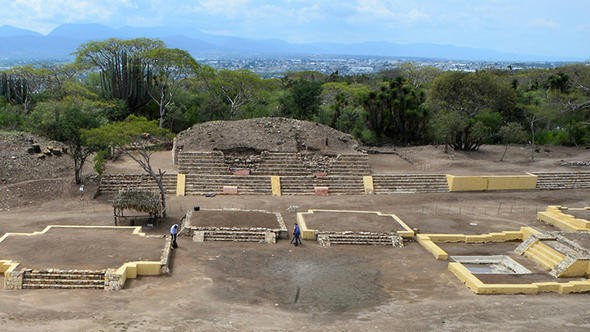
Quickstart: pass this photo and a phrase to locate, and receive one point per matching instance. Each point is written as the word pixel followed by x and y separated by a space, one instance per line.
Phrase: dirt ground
pixel 263 287
pixel 247 287
pixel 81 248
pixel 244 219
pixel 349 221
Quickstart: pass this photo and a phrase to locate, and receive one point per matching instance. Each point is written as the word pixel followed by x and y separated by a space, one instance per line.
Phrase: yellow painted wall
pixel 555 215
pixel 4 265
pixel 131 270
pixel 306 234
pixel 180 184
pixel 431 247
pixel 275 182
pixel 528 231
pixel 579 268
pixel 478 287
pixel 491 182
pixel 368 184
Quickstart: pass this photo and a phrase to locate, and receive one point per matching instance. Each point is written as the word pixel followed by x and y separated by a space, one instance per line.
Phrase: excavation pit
pixel 497 264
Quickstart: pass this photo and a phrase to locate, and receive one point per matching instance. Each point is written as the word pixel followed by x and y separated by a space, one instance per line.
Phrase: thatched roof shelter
pixel 143 201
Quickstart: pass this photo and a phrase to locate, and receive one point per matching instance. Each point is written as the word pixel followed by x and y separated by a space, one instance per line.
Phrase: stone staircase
pixel 63 279
pixel 199 184
pixel 351 164
pixel 202 163
pixel 295 164
pixel 112 183
pixel 562 180
pixel 234 235
pixel 283 164
pixel 555 253
pixel 359 238
pixel 338 185
pixel 545 256
pixel 401 183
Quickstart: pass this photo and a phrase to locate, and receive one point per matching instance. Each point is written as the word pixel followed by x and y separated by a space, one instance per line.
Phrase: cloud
pixel 386 12
pixel 227 8
pixel 544 23
pixel 44 15
pixel 502 24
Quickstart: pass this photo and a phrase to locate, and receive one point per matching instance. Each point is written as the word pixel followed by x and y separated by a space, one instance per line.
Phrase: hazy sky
pixel 537 27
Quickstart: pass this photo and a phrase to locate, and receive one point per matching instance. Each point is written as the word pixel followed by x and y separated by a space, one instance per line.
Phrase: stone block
pixel 199 236
pixel 270 237
pixel 230 190
pixel 321 191
pixel 243 171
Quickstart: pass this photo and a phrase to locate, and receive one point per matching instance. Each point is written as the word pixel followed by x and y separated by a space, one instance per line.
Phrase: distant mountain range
pixel 60 43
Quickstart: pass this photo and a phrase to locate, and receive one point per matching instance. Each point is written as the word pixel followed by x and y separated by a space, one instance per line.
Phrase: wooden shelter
pixel 147 202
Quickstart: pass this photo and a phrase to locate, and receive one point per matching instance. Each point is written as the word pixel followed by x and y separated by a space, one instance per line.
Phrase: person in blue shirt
pixel 173 235
pixel 296 235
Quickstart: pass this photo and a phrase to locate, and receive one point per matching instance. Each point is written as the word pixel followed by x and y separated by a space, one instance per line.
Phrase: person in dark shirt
pixel 173 235
pixel 296 235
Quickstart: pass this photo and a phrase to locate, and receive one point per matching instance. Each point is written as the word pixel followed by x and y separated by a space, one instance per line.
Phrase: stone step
pixel 387 242
pixel 355 239
pixel 42 281
pixel 390 184
pixel 235 233
pixel 545 258
pixel 236 236
pixel 234 239
pixel 116 182
pixel 57 276
pixel 562 180
pixel 54 286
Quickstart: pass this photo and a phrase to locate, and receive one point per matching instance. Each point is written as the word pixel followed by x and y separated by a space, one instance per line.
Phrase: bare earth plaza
pixel 392 239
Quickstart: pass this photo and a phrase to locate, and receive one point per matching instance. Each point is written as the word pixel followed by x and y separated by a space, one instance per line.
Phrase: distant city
pixel 269 67
pixel 356 65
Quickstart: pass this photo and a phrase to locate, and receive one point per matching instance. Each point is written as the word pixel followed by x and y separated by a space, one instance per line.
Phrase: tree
pixel 511 132
pixel 469 94
pixel 341 102
pixel 374 112
pixel 20 84
pixel 302 99
pixel 445 127
pixel 419 76
pixel 169 67
pixel 407 117
pixel 534 112
pixel 237 89
pixel 63 121
pixel 136 138
pixel 124 71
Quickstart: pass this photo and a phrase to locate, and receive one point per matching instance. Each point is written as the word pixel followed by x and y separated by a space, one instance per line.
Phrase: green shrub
pixel 368 136
pixel 100 162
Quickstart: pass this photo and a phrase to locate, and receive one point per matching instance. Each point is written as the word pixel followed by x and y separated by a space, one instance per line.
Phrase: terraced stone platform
pixel 331 227
pixel 235 225
pixel 112 183
pixel 562 180
pixel 60 279
pixel 78 257
pixel 275 163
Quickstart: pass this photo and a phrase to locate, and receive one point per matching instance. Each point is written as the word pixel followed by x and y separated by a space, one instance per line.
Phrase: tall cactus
pixel 123 68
